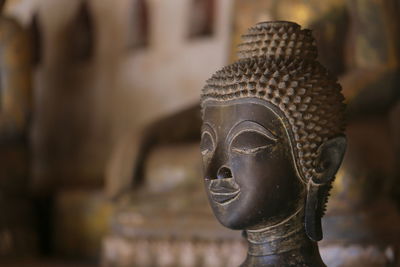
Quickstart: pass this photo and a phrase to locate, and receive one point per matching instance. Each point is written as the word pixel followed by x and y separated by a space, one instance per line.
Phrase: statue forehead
pixel 229 113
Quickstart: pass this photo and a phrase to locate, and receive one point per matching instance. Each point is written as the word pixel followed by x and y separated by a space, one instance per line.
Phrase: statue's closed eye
pixel 251 142
pixel 206 144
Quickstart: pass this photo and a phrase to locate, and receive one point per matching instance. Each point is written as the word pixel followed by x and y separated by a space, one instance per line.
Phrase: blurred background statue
pixel 17 223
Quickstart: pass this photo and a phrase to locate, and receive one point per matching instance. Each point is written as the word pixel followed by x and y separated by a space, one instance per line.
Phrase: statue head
pixel 272 136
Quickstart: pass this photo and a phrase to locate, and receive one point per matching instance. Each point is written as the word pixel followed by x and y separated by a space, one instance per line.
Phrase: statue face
pixel 250 177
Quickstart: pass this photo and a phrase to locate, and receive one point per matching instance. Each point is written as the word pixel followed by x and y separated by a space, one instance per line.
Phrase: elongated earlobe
pixel 330 156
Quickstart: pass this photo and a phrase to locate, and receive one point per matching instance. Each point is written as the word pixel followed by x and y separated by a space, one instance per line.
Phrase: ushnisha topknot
pixel 278 64
pixel 278 39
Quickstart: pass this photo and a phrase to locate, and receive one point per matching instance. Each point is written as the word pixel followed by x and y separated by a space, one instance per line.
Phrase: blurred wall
pixel 96 88
pixel 105 71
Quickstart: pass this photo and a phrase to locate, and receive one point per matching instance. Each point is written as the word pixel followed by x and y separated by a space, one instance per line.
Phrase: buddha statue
pixel 272 141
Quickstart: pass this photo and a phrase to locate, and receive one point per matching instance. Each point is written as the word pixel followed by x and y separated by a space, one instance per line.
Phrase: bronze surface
pixel 272 142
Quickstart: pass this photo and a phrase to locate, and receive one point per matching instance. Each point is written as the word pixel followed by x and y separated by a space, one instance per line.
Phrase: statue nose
pixel 224 172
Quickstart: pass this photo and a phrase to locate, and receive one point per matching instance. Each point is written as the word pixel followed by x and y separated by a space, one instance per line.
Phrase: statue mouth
pixel 224 191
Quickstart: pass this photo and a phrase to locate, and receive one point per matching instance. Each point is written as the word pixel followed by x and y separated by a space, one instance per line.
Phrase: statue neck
pixel 283 244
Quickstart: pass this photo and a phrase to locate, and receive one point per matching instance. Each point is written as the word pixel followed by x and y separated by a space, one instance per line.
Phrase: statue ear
pixel 330 156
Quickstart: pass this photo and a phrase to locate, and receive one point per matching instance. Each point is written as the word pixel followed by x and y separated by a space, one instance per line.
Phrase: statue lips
pixel 223 190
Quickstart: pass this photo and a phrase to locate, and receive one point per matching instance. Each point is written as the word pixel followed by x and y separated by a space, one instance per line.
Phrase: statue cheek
pixel 248 170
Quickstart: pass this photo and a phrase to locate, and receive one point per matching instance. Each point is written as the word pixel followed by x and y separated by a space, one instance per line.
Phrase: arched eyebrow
pixel 246 126
pixel 209 128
